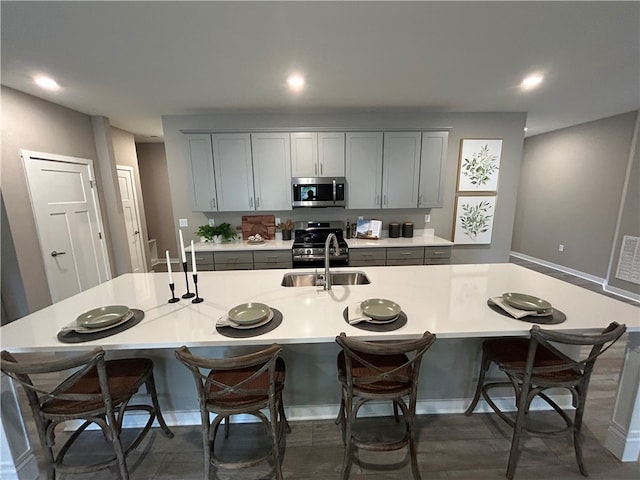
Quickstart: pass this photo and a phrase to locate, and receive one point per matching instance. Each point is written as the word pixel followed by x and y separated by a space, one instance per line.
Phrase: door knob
pixel 136 232
pixel 55 254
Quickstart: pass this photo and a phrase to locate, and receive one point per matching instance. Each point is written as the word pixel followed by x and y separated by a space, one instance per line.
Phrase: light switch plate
pixel 427 218
pixel 184 222
pixel 212 222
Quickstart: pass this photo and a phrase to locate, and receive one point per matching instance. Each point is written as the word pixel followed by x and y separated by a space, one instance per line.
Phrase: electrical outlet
pixel 212 222
pixel 277 221
pixel 561 248
pixel 184 223
pixel 427 218
pixel 360 217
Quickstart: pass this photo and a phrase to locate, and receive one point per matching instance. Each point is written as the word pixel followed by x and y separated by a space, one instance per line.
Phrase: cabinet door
pixel 203 184
pixel 432 161
pixel 400 169
pixel 364 169
pixel 304 154
pixel 234 174
pixel 331 154
pixel 271 171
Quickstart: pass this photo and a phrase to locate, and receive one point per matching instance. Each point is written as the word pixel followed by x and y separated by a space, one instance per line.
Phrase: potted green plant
pixel 217 233
pixel 286 228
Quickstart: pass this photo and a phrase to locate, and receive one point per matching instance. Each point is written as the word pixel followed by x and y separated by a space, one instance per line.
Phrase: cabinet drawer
pixel 272 256
pixel 367 255
pixel 437 252
pixel 404 261
pixel 225 258
pixel 367 263
pixel 410 253
pixel 437 261
pixel 234 266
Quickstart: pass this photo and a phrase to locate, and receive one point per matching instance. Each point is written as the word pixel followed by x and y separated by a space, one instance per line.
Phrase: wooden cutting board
pixel 265 225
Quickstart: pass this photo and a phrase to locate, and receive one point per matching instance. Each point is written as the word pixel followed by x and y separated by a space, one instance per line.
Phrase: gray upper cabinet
pixel 233 171
pixel 271 171
pixel 316 154
pixel 203 185
pixel 363 160
pixel 432 160
pixel 401 169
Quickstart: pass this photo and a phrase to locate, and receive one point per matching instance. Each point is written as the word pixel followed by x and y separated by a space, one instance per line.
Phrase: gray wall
pixel 154 179
pixel 571 193
pixel 33 124
pixel 508 126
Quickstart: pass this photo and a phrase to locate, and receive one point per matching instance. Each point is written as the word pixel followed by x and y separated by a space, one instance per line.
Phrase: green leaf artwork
pixel 475 219
pixel 479 168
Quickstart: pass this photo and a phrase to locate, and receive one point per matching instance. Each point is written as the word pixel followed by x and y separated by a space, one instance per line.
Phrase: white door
pixel 131 218
pixel 67 214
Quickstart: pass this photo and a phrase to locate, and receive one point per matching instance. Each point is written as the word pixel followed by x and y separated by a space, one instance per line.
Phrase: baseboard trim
pixel 624 445
pixel 585 276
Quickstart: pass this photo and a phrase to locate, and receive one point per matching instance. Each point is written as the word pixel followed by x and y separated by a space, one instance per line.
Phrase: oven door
pixel 316 262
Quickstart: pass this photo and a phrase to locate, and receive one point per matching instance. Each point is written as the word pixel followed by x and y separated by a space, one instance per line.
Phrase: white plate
pixel 380 309
pixel 102 316
pixel 248 313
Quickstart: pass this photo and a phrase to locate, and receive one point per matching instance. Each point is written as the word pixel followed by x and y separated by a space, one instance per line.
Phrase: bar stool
pixel 379 371
pixel 96 391
pixel 535 365
pixel 244 384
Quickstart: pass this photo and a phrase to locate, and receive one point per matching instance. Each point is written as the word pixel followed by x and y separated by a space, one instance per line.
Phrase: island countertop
pixel 448 300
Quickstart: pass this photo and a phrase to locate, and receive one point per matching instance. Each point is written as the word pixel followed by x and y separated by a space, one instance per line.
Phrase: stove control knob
pixel 308 251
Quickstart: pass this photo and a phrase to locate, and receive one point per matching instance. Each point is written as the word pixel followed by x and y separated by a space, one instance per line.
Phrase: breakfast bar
pixel 447 300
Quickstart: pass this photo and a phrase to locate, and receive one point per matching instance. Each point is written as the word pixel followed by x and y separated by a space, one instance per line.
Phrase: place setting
pixel 99 323
pixel 525 307
pixel 248 320
pixel 375 315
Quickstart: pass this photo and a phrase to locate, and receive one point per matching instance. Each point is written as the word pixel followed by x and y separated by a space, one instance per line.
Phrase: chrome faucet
pixel 327 253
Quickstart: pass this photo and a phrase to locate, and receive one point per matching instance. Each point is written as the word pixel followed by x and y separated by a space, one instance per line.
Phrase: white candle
pixel 169 268
pixel 193 258
pixel 184 255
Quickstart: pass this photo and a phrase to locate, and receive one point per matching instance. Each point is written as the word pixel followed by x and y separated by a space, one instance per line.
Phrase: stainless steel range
pixel 309 241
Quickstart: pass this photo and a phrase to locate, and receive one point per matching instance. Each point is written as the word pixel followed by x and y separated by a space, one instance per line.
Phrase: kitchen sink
pixel 312 279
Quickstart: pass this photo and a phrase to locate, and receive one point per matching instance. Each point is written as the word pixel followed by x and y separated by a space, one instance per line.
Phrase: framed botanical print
pixel 479 165
pixel 474 217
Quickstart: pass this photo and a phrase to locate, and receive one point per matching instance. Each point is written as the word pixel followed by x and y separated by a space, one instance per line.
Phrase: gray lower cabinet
pixel 437 255
pixel 233 260
pixel 204 261
pixel 372 257
pixel 405 256
pixel 272 259
pixel 367 257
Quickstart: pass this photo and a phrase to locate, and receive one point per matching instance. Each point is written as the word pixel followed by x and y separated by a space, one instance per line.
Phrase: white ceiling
pixel 135 61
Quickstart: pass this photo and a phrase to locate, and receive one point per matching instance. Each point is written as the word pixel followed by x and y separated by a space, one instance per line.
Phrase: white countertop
pixel 448 300
pixel 240 245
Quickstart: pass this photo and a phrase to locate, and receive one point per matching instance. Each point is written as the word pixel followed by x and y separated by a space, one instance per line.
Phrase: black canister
pixel 394 230
pixel 407 229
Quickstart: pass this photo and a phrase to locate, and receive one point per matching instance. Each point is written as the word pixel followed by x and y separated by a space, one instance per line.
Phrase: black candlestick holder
pixel 186 280
pixel 195 284
pixel 173 299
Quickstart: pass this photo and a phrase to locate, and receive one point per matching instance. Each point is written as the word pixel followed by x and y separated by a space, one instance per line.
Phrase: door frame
pixel 26 156
pixel 132 176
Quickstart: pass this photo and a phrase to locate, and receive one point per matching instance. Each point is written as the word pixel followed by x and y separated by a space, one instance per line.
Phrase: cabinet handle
pixel 257 202
pixel 320 168
pixel 250 202
pixel 55 254
pixel 419 200
pixel 315 169
pixel 384 200
pixel 377 200
pixel 406 253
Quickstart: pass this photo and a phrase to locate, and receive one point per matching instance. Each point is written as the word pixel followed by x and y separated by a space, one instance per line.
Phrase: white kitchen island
pixel 448 300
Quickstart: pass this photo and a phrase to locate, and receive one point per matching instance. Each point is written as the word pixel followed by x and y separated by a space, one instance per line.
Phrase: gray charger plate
pixel 378 327
pixel 71 336
pixel 556 315
pixel 252 332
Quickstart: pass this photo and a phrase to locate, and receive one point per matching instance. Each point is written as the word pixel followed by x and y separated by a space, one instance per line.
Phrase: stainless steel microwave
pixel 319 191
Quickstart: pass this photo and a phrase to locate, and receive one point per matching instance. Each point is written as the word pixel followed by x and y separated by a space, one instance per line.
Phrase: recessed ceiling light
pixel 295 82
pixel 531 81
pixel 47 83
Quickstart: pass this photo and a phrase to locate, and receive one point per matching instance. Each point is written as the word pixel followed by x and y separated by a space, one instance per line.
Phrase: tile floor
pixel 450 446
